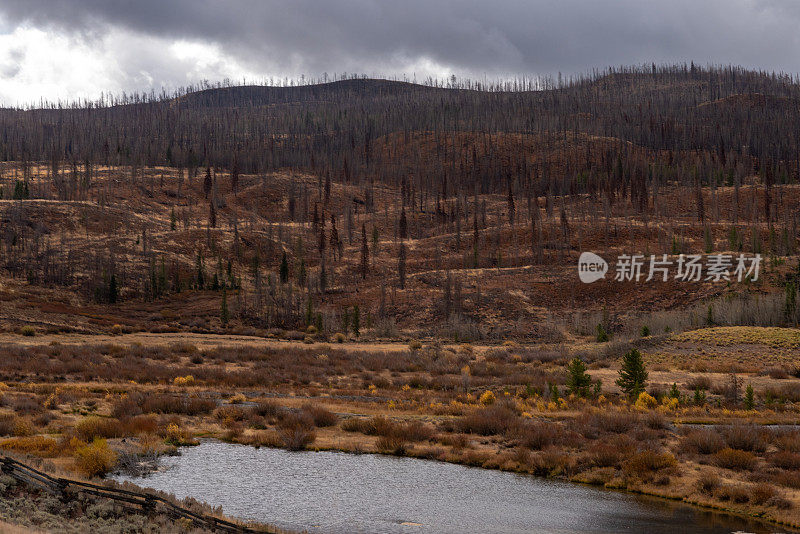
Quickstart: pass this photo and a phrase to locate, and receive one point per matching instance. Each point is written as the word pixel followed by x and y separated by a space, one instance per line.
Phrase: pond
pixel 333 492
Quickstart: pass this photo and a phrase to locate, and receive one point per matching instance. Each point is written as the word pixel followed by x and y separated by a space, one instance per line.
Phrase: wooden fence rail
pixel 144 501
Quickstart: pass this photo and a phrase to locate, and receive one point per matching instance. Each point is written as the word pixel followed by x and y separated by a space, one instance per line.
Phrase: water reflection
pixel 344 493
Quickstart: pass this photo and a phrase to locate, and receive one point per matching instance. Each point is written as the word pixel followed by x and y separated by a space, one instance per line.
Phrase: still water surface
pixel 332 492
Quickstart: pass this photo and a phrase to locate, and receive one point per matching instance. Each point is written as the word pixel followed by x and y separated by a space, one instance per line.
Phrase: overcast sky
pixel 71 49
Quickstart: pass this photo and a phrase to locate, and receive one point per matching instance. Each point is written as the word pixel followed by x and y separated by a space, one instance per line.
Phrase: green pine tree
pixel 749 397
pixel 223 314
pixel 632 376
pixel 309 312
pixel 602 335
pixel 113 290
pixel 578 381
pixel 699 397
pixel 356 321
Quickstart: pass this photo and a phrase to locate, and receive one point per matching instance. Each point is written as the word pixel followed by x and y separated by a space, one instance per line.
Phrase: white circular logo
pixel 591 267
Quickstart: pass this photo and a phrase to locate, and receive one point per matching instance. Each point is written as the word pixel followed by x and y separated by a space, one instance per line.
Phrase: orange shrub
pixel 734 459
pixel 95 459
pixel 94 426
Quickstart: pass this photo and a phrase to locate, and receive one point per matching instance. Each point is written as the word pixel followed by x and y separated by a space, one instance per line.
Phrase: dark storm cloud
pixel 467 37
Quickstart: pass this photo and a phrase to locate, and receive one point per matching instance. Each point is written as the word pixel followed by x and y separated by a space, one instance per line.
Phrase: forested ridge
pixel 419 202
pixel 694 118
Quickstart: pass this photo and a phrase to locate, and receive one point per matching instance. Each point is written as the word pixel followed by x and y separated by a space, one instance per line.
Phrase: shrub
pixel 416 431
pixel 414 345
pixel 594 423
pixel 116 330
pixel 35 445
pixel 736 494
pixel 267 408
pixel 643 463
pixel 734 459
pixel 338 337
pixel 702 441
pixel 230 413
pixel 538 435
pixel 761 493
pixel 777 373
pixel 295 434
pixel 95 459
pixel 180 404
pixel 610 452
pixel 788 441
pixel 780 503
pixel 456 441
pixel 553 462
pixel 392 444
pixel 645 401
pixel 785 460
pixel 93 427
pixel 375 426
pixel 12 425
pixel 308 340
pixel 790 479
pixel 707 483
pixel 141 424
pixel 239 398
pixel 745 437
pixel 487 421
pixel 27 331
pixel 699 382
pixel 488 397
pixel 655 421
pixel 183 380
pixel 174 435
pixel 322 416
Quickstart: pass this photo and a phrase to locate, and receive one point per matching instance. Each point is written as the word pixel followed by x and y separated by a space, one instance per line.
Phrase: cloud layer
pixel 76 48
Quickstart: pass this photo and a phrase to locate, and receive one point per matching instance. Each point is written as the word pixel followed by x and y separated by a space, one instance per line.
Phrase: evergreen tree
pixel 699 397
pixel 749 397
pixel 632 376
pixel 364 252
pixel 200 278
pixel 346 320
pixel 223 314
pixel 602 335
pixel 578 380
pixel 309 311
pixel 356 321
pixel 323 277
pixel 113 290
